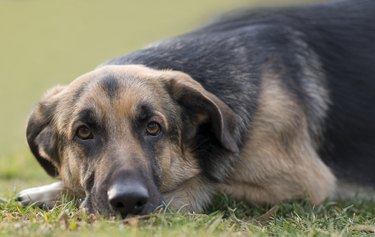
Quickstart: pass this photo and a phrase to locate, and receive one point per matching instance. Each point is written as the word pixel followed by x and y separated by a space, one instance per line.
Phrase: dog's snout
pixel 128 198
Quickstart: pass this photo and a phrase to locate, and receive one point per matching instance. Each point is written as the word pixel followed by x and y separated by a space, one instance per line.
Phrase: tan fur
pixel 181 182
pixel 191 196
pixel 278 161
pixel 179 168
pixel 48 98
pixel 347 190
pixel 120 112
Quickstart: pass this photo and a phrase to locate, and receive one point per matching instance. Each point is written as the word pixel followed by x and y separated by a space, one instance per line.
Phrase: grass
pixel 226 218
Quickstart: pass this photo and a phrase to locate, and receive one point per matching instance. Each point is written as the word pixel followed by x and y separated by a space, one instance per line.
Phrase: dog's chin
pixel 91 206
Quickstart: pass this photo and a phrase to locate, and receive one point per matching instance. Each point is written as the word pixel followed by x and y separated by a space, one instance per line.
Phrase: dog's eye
pixel 84 133
pixel 153 129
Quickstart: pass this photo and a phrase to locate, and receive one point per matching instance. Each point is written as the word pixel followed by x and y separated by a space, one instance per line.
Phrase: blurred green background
pixel 49 42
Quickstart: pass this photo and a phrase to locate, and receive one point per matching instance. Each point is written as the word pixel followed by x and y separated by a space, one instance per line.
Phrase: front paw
pixel 43 196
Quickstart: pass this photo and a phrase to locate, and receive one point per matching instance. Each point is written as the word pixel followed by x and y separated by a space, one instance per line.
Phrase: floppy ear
pixel 212 127
pixel 40 134
pixel 205 108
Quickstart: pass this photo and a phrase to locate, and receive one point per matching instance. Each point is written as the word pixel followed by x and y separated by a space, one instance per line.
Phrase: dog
pixel 263 105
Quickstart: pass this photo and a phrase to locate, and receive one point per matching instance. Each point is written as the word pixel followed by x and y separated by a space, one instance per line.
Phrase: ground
pixel 224 218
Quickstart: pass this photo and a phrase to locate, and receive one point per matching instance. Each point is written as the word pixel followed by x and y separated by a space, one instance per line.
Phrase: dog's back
pixel 341 35
pixel 344 38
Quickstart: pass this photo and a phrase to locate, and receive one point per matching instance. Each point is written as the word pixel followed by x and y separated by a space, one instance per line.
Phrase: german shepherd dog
pixel 263 105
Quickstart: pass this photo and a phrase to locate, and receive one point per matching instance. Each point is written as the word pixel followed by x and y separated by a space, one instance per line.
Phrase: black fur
pixel 110 86
pixel 229 55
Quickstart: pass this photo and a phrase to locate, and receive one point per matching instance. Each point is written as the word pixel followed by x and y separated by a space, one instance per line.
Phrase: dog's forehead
pixel 114 90
pixel 124 72
pixel 113 82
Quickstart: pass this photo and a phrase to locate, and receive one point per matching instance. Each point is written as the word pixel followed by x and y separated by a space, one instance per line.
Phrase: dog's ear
pixel 40 133
pixel 205 108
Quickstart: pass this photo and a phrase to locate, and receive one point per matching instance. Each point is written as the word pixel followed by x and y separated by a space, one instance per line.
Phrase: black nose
pixel 128 198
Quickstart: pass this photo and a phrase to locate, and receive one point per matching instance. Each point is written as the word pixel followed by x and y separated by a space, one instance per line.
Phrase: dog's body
pixel 265 106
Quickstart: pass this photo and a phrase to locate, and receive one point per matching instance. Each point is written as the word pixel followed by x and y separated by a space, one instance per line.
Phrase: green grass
pixel 46 42
pixel 226 218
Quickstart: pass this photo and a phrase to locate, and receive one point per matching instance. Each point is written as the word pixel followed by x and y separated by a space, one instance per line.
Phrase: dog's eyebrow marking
pixel 79 92
pixel 88 116
pixel 144 111
pixel 110 85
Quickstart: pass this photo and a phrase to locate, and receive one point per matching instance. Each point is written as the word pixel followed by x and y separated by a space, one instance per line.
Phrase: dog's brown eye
pixel 84 133
pixel 153 128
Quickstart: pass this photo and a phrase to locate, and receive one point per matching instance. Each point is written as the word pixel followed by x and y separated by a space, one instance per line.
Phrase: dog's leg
pixel 192 196
pixel 45 196
pixel 279 160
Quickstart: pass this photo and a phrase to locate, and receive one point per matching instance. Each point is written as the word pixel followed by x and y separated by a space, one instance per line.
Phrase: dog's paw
pixel 43 196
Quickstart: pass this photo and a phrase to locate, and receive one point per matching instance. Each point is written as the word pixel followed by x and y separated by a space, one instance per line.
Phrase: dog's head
pixel 128 137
